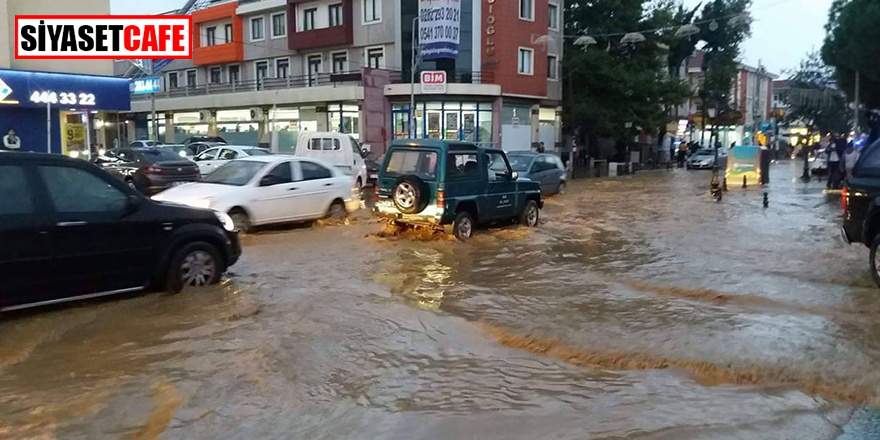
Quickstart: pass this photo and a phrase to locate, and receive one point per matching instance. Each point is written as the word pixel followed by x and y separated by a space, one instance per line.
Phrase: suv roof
pixel 436 143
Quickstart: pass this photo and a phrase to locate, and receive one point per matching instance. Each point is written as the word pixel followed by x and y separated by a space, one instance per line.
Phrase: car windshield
pixel 161 155
pixel 236 173
pixel 520 163
pixel 422 163
pixel 256 152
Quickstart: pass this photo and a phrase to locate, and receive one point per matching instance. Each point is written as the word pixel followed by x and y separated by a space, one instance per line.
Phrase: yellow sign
pixel 73 137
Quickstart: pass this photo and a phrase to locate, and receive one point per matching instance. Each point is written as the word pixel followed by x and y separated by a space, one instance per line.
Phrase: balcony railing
pixel 291 82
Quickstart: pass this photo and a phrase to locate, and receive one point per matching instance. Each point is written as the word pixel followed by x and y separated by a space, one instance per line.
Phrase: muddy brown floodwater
pixel 639 309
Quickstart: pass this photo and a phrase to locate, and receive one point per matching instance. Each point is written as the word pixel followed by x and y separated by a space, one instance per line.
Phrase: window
pixel 227 154
pixel 262 70
pixel 216 75
pixel 67 185
pixel 309 19
pixel 527 10
pixel 313 171
pixel 15 192
pixel 335 15
pixel 419 162
pixel 314 66
pixel 211 36
pixel 462 166
pixel 526 61
pixel 372 11
pixel 340 62
pixel 282 68
pixel 172 80
pixel 235 74
pixel 280 174
pixel 324 144
pixel 552 67
pixel 191 78
pixel 208 155
pixel 376 58
pixel 279 25
pixel 227 30
pixel 257 29
pixel 553 16
pixel 497 166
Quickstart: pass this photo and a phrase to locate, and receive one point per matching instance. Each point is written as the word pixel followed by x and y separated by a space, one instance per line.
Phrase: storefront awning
pixel 27 89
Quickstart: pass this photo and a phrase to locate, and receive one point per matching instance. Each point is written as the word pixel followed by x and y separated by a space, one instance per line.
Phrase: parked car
pixel 181 150
pixel 144 144
pixel 71 231
pixel 211 159
pixel 861 206
pixel 212 139
pixel 339 149
pixel 439 183
pixel 261 190
pixel 546 169
pixel 196 148
pixel 704 159
pixel 149 170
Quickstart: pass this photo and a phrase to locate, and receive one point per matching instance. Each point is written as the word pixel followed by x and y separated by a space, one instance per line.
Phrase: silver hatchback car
pixel 546 169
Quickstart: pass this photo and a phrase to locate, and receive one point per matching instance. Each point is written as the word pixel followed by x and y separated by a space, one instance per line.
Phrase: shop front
pixel 449 119
pixel 62 113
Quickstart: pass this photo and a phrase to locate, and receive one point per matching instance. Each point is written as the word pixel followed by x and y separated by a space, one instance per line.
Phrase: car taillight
pixel 843 195
pixel 153 170
pixel 441 199
pixel 375 193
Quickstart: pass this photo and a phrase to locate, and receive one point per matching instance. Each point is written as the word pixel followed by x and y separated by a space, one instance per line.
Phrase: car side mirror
pixel 270 181
pixel 365 153
pixel 132 204
pixel 514 176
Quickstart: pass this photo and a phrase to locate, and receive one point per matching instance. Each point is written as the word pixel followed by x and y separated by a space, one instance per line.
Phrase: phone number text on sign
pixel 439 28
pixel 64 98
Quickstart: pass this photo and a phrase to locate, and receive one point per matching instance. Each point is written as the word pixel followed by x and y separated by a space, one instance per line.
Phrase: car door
pixel 317 188
pixel 538 172
pixel 207 161
pixel 500 201
pixel 276 195
pixel 103 235
pixel 552 174
pixel 25 252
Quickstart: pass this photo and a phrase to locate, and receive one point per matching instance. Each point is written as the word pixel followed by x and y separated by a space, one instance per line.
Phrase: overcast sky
pixel 783 31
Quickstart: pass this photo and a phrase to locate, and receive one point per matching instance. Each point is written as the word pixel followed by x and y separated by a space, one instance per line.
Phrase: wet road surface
pixel 639 309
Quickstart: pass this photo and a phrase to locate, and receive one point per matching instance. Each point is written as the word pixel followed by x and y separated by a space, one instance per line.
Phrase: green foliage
pixel 851 46
pixel 814 98
pixel 722 35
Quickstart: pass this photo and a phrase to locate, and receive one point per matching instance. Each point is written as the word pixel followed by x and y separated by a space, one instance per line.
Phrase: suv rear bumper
pixel 430 216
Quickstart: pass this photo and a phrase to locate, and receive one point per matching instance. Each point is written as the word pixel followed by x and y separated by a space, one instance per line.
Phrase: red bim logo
pixel 103 36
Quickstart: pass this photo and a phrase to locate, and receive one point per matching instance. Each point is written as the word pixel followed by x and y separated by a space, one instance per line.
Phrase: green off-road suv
pixel 440 183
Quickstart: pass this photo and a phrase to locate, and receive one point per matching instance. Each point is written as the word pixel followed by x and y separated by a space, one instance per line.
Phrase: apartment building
pixel 264 71
pixel 80 123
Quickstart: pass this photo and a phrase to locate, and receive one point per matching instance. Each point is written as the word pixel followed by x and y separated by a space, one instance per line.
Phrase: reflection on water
pixel 640 308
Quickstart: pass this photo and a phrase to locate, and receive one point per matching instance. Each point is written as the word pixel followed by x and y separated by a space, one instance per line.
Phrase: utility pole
pixel 412 84
pixel 856 105
pixel 49 126
pixel 154 122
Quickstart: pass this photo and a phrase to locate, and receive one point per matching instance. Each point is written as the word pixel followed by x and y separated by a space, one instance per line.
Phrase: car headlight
pixel 226 220
pixel 201 203
pixel 182 154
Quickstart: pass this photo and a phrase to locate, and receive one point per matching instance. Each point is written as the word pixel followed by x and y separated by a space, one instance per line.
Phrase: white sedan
pixel 210 160
pixel 262 190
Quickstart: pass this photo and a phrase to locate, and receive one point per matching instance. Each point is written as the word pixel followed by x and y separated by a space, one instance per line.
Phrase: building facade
pixel 86 96
pixel 264 71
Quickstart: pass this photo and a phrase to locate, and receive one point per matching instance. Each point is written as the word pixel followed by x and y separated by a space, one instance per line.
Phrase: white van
pixel 339 149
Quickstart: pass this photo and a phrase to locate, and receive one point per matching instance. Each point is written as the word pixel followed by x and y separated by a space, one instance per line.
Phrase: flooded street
pixel 639 309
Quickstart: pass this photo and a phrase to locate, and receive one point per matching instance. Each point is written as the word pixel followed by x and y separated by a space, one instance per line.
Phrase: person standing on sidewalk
pixel 835 153
pixel 11 142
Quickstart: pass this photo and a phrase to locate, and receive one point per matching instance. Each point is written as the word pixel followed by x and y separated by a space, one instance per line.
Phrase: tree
pixel 611 84
pixel 851 46
pixel 725 27
pixel 814 98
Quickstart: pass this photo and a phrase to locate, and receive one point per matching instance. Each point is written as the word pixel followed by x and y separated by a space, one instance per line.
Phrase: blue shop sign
pixel 142 86
pixel 19 88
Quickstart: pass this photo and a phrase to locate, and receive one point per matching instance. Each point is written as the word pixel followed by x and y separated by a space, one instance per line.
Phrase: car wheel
pixel 561 189
pixel 241 221
pixel 463 227
pixel 195 265
pixel 337 211
pixel 131 184
pixel 530 214
pixel 360 187
pixel 410 195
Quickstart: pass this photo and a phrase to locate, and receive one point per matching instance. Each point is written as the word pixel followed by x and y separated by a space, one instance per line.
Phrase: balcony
pixel 218 54
pixel 230 52
pixel 323 37
pixel 292 82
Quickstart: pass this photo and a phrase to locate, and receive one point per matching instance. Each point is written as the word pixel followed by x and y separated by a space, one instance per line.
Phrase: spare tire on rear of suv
pixel 410 194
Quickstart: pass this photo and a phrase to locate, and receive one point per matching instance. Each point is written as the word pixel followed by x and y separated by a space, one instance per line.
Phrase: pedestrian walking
pixel 835 154
pixel 11 142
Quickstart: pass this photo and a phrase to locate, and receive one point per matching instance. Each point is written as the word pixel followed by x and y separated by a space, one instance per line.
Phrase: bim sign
pixel 103 36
